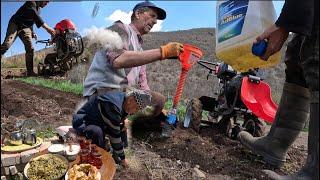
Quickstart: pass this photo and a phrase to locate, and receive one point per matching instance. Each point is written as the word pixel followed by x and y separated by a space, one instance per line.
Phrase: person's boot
pixel 290 119
pixel 29 64
pixel 169 124
pixel 311 169
pixel 167 129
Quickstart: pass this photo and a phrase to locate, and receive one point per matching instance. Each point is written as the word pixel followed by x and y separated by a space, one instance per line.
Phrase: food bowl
pixel 50 166
pixel 83 171
pixel 56 149
pixel 71 151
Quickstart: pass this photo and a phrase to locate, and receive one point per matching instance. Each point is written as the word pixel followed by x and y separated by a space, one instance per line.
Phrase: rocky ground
pixel 187 155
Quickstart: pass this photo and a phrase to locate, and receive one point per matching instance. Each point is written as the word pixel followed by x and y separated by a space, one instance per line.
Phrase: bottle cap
pixel 259 48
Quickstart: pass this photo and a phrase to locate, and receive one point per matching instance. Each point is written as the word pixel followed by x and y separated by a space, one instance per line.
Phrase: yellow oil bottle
pixel 238 25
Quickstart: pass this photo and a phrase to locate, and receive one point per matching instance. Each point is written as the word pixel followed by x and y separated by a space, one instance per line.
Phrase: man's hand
pixel 51 31
pixel 171 50
pixel 34 36
pixel 276 36
pixel 124 163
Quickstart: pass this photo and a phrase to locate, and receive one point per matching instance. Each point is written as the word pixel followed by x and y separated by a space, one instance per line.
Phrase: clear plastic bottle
pixel 238 25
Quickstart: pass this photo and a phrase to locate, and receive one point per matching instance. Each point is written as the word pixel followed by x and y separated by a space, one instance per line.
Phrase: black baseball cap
pixel 160 12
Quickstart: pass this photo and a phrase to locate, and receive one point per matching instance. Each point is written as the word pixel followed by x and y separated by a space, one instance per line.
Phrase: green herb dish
pixel 46 167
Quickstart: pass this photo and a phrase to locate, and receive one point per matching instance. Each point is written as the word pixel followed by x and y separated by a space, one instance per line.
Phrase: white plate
pixel 99 175
pixel 56 149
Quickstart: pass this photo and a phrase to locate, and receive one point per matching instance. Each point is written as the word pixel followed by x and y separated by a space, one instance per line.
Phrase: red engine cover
pixel 65 24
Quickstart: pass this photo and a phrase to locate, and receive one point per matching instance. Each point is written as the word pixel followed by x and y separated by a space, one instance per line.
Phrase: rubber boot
pixel 311 169
pixel 290 119
pixel 167 129
pixel 169 124
pixel 29 64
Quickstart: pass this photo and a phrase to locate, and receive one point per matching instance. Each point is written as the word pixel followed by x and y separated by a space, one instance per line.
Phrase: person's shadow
pixel 142 127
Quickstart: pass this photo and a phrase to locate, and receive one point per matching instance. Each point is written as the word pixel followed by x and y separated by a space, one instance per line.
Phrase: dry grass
pixel 18 61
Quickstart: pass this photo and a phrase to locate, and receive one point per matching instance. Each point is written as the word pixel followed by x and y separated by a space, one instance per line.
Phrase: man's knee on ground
pixel 158 101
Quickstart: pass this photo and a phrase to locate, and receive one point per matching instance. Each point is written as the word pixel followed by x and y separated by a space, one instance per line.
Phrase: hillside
pixel 167 72
pixel 163 76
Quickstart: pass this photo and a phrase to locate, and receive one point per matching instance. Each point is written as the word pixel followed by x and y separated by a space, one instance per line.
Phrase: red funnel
pixel 189 56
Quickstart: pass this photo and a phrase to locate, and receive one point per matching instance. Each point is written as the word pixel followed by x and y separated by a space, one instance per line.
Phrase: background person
pixel 116 68
pixel 300 92
pixel 104 114
pixel 21 24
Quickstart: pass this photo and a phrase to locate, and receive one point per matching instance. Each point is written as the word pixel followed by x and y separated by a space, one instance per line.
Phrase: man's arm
pixel 130 59
pixel 40 23
pixel 124 58
pixel 297 16
pixel 48 29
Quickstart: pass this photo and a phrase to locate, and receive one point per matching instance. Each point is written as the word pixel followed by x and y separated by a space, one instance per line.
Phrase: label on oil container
pixel 231 15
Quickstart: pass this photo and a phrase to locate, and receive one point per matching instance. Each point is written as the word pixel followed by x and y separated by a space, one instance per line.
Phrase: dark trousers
pixel 26 37
pixel 97 134
pixel 302 61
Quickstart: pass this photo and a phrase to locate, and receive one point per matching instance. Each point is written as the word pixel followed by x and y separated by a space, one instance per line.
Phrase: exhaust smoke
pixel 106 38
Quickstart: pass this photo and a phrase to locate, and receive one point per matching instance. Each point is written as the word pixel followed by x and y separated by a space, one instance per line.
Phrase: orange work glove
pixel 171 50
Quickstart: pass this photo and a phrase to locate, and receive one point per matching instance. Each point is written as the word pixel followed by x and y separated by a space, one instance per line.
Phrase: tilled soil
pixel 187 155
pixel 21 101
pixel 216 154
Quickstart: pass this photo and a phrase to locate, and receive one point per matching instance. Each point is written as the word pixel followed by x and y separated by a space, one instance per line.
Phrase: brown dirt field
pixel 180 157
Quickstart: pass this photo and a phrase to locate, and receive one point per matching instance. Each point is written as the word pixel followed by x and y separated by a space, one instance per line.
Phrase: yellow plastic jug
pixel 238 25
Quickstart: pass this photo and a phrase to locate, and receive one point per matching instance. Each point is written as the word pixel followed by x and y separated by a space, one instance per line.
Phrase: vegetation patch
pixel 62 85
pixel 47 133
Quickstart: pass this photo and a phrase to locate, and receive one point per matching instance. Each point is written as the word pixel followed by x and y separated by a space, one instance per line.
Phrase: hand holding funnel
pixel 187 58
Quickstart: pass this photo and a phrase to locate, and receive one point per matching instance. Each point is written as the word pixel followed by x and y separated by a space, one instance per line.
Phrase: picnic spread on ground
pixel 75 160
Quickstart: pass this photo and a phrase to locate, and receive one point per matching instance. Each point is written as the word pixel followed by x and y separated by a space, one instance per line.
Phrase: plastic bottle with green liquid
pixel 239 22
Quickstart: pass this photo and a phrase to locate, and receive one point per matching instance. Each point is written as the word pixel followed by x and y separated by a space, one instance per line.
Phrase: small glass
pixel 81 140
pixel 84 156
pixel 93 148
pixel 97 160
pixel 87 143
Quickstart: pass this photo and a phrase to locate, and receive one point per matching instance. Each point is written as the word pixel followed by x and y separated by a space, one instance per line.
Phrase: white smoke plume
pixel 106 38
